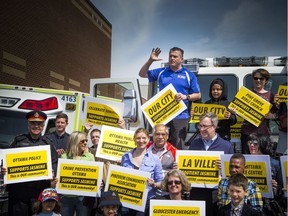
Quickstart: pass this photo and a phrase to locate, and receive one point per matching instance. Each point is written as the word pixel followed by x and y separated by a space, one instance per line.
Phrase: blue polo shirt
pixel 179 80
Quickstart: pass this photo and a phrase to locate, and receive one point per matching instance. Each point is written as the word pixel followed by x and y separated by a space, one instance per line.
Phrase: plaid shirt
pixel 253 198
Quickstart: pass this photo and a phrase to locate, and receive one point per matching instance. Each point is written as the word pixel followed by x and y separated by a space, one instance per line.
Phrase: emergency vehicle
pixel 16 101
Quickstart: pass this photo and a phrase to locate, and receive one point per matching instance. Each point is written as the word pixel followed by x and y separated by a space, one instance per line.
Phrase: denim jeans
pixel 70 205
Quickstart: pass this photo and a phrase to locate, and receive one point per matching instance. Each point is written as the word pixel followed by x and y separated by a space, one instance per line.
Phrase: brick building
pixel 59 44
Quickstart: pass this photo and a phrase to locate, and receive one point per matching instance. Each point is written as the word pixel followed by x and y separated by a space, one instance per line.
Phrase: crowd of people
pixel 235 195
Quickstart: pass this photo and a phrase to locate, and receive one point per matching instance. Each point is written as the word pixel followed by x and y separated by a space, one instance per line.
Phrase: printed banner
pixel 102 112
pixel 283 93
pixel 130 184
pixel 114 142
pixel 257 168
pixel 200 167
pixel 235 130
pixel 250 106
pixel 162 107
pixel 172 208
pixel 78 177
pixel 284 169
pixel 27 164
pixel 199 109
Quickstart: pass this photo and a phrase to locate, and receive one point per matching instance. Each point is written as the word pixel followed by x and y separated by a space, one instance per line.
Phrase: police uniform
pixel 22 195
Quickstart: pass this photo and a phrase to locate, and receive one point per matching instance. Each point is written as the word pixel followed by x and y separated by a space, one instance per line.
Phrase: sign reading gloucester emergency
pixel 162 107
pixel 27 164
pixel 78 177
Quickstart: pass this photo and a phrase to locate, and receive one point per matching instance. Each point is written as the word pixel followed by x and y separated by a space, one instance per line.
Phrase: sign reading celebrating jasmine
pixel 172 208
pixel 200 167
pixel 79 177
pixel 130 184
pixel 162 107
pixel 257 168
pixel 27 164
pixel 114 142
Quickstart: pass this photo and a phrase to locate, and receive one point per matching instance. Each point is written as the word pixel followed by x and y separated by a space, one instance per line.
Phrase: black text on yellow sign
pixel 78 177
pixel 100 114
pixel 162 108
pixel 283 93
pixel 199 109
pixel 129 188
pixel 199 170
pixel 175 210
pixel 33 164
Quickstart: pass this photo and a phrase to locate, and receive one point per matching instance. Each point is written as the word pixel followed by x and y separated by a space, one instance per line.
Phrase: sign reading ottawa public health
pixel 102 112
pixel 27 164
pixel 114 142
pixel 130 184
pixel 79 177
pixel 257 168
pixel 200 167
pixel 199 109
pixel 172 208
pixel 250 106
pixel 162 107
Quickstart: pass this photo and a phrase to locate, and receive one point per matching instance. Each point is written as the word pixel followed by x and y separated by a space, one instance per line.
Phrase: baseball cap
pixel 109 198
pixel 48 194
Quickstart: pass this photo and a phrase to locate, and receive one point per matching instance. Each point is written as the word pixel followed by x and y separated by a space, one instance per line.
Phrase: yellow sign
pixel 199 167
pixel 162 108
pixel 79 177
pixel 284 169
pixel 130 185
pixel 250 106
pixel 27 164
pixel 235 129
pixel 199 109
pixel 172 208
pixel 114 142
pixel 101 114
pixel 283 93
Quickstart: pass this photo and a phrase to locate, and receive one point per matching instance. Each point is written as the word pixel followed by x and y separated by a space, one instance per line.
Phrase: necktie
pixel 236 211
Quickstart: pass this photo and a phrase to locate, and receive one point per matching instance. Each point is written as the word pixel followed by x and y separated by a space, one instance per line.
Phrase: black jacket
pixel 246 211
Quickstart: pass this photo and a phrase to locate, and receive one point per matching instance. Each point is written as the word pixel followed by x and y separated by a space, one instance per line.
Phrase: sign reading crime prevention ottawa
pixel 162 107
pixel 130 184
pixel 200 167
pixel 79 177
pixel 27 164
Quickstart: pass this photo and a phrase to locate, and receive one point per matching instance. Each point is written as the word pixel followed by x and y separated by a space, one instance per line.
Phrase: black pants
pixel 17 208
pixel 178 132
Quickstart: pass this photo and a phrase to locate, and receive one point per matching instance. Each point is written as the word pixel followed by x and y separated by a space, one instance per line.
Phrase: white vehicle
pixel 16 101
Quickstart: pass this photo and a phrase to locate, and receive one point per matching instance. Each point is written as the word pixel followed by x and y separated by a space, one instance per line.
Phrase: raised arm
pixel 153 57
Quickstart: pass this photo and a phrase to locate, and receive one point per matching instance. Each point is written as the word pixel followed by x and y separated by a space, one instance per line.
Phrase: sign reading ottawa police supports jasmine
pixel 257 168
pixel 78 177
pixel 172 208
pixel 130 184
pixel 102 112
pixel 114 142
pixel 284 169
pixel 162 107
pixel 199 109
pixel 250 106
pixel 27 164
pixel 200 167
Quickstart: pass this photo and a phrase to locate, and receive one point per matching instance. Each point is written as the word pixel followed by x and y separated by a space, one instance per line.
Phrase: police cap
pixel 36 115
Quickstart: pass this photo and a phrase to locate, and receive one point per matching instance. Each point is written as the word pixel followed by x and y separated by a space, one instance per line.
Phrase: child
pixel 47 204
pixel 110 203
pixel 238 187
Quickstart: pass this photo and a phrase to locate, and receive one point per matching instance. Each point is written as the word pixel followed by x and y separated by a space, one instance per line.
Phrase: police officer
pixel 22 195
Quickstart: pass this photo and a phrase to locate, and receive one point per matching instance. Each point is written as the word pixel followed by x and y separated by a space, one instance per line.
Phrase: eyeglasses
pixel 83 141
pixel 204 127
pixel 259 78
pixel 176 182
pixel 254 142
pixel 95 137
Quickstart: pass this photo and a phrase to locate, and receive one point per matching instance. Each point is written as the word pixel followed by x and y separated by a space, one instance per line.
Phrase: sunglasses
pixel 259 78
pixel 84 140
pixel 176 182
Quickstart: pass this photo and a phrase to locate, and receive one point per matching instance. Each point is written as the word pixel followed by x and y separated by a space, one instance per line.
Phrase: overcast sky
pixel 203 28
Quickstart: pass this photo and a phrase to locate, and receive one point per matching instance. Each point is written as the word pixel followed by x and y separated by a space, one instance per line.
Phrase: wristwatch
pixel 187 96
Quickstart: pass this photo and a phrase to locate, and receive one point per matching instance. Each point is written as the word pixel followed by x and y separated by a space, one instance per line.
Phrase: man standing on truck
pixel 185 83
pixel 60 137
pixel 22 195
